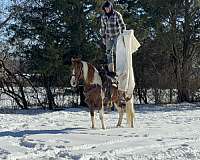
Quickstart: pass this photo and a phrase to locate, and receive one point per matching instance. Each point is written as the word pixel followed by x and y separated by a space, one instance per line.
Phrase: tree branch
pixel 2 24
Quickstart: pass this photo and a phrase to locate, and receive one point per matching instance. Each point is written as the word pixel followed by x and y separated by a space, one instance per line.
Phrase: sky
pixel 4 3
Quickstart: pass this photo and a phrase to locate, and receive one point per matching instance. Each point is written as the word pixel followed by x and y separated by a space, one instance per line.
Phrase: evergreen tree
pixel 48 33
pixel 174 25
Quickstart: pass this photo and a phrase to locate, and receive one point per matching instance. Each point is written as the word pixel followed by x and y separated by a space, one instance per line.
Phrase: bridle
pixel 77 76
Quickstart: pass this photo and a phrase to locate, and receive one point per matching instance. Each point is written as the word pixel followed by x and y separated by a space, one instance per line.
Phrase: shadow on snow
pixel 166 108
pixel 35 132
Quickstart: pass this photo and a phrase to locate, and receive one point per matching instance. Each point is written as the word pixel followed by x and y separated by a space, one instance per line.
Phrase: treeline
pixel 43 35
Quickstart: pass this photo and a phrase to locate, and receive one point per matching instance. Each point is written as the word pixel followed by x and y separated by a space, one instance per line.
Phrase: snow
pixel 170 132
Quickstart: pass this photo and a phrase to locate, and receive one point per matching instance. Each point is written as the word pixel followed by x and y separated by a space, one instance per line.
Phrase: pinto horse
pixel 94 91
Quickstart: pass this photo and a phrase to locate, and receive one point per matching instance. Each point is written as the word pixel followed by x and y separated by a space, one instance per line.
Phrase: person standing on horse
pixel 112 25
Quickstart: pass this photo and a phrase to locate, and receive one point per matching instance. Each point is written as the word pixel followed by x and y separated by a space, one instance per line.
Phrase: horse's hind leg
pixel 92 118
pixel 101 114
pixel 133 117
pixel 130 112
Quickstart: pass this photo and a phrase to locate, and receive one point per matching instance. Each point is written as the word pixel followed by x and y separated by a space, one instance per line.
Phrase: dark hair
pixel 106 5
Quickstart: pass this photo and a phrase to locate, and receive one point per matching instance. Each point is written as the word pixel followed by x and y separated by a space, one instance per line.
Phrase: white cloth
pixel 127 44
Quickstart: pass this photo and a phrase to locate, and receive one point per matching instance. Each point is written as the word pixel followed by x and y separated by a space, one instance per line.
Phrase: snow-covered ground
pixel 161 132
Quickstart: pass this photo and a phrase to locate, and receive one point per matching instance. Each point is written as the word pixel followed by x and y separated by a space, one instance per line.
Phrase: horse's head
pixel 77 71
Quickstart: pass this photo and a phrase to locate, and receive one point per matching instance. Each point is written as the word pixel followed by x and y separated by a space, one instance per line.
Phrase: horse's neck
pixel 96 77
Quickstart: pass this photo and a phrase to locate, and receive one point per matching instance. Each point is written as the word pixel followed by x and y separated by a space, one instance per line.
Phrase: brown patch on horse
pixel 115 94
pixel 93 96
pixel 90 74
pixel 78 66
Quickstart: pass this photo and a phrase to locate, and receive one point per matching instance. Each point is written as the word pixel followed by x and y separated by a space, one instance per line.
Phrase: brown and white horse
pixel 95 93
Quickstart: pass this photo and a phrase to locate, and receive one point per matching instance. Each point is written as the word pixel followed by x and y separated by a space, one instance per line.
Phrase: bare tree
pixel 13 83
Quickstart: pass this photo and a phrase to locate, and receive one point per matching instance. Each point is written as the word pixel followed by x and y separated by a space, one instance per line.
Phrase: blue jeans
pixel 111 49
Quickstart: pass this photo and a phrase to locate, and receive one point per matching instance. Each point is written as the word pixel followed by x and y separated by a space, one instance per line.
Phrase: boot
pixel 113 78
pixel 111 74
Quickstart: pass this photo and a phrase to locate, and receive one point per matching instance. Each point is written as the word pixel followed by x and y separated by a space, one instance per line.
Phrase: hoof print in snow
pixel 184 145
pixel 60 146
pixel 145 135
pixel 3 153
pixel 27 144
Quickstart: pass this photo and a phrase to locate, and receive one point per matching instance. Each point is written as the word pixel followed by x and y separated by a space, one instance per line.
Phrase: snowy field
pixel 161 133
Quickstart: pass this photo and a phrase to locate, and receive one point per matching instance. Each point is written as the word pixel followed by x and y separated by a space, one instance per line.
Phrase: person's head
pixel 107 7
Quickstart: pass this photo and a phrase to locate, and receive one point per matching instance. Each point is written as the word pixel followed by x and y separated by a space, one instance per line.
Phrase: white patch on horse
pixel 85 70
pixel 73 79
pixel 96 79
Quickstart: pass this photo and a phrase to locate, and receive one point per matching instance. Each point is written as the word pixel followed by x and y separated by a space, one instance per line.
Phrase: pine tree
pixel 48 33
pixel 174 26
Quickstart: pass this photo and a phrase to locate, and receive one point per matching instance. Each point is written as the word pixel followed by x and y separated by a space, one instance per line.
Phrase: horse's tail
pixel 130 111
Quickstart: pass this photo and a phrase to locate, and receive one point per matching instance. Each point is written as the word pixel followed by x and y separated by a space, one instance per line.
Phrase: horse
pixel 95 90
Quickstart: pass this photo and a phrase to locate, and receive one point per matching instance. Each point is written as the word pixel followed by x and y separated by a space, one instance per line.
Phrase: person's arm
pixel 121 22
pixel 103 30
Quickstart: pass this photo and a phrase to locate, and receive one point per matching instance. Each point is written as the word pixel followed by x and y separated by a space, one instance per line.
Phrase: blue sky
pixel 4 3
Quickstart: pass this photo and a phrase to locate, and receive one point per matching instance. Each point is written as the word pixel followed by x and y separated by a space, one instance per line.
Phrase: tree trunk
pixel 183 91
pixel 144 97
pixel 139 95
pixel 180 58
pixel 156 95
pixel 50 98
pixel 23 98
pixel 170 95
pixel 183 88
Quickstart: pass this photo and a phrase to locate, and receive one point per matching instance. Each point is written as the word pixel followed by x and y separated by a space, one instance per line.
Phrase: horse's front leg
pixel 101 116
pixel 92 117
pixel 121 113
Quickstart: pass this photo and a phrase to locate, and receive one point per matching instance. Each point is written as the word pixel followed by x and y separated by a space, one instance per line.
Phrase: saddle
pixel 107 76
pixel 108 82
pixel 113 78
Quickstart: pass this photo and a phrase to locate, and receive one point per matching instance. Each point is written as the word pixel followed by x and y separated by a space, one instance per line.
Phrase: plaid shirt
pixel 112 26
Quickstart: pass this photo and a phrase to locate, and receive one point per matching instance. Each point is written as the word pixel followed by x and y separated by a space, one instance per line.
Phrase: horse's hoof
pixel 118 126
